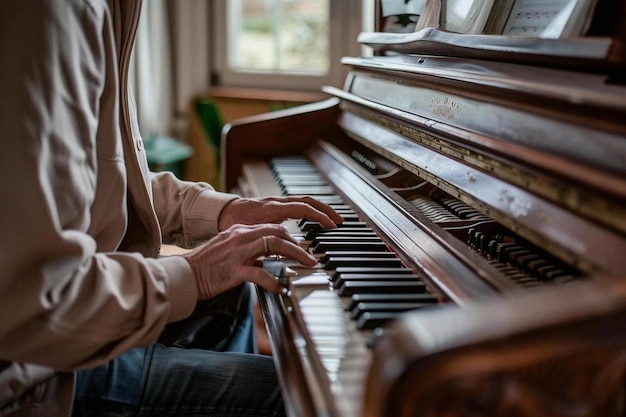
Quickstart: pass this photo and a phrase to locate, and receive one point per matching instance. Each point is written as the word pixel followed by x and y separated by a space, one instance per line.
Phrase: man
pixel 82 286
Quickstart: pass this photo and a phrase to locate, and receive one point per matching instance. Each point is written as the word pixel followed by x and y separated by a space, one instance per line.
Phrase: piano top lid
pixel 579 88
pixel 584 53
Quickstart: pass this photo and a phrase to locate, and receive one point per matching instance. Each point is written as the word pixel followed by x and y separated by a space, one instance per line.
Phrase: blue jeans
pixel 202 366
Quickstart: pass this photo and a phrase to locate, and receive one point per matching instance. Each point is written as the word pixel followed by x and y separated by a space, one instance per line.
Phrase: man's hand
pixel 277 210
pixel 228 259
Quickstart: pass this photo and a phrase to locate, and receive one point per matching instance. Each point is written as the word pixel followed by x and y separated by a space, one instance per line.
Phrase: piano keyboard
pixel 359 286
pixel 356 262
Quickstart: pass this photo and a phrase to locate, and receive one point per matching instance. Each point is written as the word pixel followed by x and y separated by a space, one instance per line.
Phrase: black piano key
pixel 288 189
pixel 346 239
pixel 346 236
pixel 506 250
pixel 368 270
pixel 350 288
pixel 515 256
pixel 564 279
pixel 308 225
pixel 533 266
pixel 334 263
pixel 391 298
pixel 493 249
pixel 370 321
pixel 376 254
pixel 344 225
pixel 377 277
pixel 464 213
pixel 522 278
pixel 545 272
pixel 349 217
pixel 325 246
pixel 342 231
pixel 344 211
pixel 340 282
pixel 554 274
pixel 341 207
pixel 362 308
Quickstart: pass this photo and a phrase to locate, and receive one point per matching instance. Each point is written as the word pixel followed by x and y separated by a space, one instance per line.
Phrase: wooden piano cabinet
pixel 492 171
pixel 283 132
pixel 558 353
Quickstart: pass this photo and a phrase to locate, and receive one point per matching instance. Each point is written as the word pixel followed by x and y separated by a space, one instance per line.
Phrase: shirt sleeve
pixel 188 212
pixel 67 299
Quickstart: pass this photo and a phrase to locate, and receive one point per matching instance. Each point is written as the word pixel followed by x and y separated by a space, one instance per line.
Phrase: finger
pixel 315 204
pixel 323 207
pixel 246 226
pixel 299 210
pixel 254 233
pixel 288 249
pixel 266 248
pixel 263 279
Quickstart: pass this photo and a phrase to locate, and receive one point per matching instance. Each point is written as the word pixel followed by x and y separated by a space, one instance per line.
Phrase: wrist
pixel 225 218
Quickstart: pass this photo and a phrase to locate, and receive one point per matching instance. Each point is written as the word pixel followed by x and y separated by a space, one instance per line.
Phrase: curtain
pixel 191 40
pixel 152 71
pixel 170 64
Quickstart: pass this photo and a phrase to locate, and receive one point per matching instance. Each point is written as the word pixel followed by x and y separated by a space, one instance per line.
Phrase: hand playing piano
pixel 231 258
pixel 276 210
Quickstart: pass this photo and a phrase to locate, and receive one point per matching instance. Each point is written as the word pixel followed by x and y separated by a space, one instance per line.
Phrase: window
pixel 285 44
pixel 279 36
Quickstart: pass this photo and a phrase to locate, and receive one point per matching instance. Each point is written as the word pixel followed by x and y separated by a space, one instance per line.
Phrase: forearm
pixel 85 311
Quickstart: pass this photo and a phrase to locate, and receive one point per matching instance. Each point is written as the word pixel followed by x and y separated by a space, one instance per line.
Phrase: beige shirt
pixel 82 218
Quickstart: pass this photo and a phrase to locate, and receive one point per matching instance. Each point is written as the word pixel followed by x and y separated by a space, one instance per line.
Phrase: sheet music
pixel 537 17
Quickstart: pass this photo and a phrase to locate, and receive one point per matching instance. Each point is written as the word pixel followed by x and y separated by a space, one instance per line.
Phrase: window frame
pixel 346 22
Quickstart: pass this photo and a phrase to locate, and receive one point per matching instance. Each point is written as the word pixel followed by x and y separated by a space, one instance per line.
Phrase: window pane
pixel 289 36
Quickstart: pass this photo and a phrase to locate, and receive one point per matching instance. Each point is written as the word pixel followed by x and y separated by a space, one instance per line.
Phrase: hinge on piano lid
pixel 279 269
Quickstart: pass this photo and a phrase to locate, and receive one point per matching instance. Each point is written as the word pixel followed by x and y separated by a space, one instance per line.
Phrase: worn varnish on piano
pixel 481 267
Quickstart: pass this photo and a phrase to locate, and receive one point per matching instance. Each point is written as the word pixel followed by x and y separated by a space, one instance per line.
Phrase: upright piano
pixel 481 266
